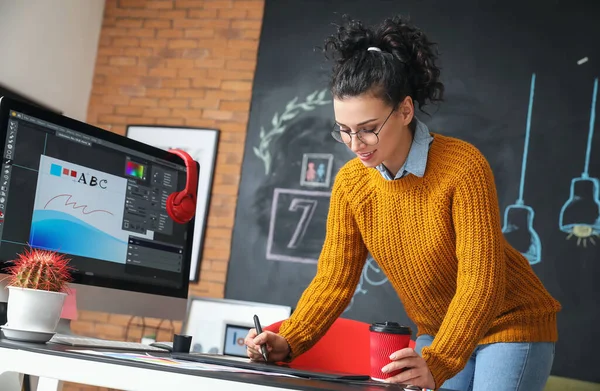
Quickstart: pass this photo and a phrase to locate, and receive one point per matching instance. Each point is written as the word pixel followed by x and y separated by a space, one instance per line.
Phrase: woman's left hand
pixel 416 372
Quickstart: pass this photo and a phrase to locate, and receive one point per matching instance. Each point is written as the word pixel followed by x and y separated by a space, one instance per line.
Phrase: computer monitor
pixel 100 198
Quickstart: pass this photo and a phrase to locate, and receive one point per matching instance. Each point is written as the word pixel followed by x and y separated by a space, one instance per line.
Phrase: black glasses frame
pixel 336 133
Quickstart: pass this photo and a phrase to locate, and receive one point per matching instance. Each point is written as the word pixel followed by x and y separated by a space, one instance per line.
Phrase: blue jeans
pixel 501 367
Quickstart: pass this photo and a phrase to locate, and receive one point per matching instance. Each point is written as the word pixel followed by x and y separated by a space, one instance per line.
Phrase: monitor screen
pixel 96 196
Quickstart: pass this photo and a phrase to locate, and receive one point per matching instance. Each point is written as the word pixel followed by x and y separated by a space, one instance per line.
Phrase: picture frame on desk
pixel 208 320
pixel 201 144
pixel 233 339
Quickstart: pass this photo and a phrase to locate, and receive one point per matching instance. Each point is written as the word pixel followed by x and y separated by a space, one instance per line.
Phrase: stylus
pixel 263 347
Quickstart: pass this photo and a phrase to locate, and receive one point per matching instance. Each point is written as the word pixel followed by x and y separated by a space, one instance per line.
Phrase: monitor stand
pixel 64 327
pixel 3 289
pixel 3 300
pixel 3 309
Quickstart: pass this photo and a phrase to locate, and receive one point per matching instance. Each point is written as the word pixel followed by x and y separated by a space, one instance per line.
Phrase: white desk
pixel 54 365
pixel 53 370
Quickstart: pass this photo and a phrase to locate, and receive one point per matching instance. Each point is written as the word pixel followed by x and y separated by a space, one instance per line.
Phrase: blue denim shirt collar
pixel 416 161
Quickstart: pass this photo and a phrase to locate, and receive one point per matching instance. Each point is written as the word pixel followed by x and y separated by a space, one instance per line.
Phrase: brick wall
pixel 178 62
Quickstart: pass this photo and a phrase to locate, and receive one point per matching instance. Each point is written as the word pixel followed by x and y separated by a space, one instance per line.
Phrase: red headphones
pixel 181 205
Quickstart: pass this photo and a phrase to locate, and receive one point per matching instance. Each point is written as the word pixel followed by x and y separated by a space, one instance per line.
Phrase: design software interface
pixel 100 203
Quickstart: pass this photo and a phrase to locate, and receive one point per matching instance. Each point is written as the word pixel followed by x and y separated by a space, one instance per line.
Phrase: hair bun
pixel 412 47
pixel 406 65
pixel 351 38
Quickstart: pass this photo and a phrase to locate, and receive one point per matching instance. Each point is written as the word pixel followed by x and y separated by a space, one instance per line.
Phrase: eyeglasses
pixel 368 137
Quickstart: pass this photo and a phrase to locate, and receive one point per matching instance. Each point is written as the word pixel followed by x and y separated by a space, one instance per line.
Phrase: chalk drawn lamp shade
pixel 580 214
pixel 519 232
pixel 518 217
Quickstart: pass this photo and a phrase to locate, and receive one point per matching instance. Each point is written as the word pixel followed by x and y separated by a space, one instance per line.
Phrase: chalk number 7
pixel 308 210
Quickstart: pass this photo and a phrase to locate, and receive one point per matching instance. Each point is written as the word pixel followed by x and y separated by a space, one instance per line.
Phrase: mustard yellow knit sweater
pixel 438 239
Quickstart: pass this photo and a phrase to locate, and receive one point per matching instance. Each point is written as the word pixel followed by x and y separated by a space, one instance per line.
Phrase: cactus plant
pixel 40 269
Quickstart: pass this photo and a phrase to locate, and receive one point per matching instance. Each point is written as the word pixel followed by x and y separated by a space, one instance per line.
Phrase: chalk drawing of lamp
pixel 518 217
pixel 580 215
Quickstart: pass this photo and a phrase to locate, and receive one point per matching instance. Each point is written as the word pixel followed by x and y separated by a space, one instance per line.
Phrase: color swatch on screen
pixel 134 169
pixel 57 170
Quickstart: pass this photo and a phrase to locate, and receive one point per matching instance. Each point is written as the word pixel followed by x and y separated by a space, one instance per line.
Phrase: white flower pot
pixel 34 309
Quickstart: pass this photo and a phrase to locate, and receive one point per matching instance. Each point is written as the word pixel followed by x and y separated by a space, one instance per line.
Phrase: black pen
pixel 263 347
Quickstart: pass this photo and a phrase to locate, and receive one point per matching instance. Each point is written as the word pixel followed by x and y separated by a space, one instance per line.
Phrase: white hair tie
pixel 374 49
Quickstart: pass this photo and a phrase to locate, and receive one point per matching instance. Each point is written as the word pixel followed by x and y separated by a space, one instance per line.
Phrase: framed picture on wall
pixel 316 169
pixel 201 145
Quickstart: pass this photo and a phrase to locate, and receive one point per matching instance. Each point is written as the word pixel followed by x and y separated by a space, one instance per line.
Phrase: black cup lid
pixel 390 328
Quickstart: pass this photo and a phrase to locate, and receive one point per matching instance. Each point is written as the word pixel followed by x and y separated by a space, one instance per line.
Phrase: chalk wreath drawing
pixel 584 231
pixel 533 253
pixel 278 123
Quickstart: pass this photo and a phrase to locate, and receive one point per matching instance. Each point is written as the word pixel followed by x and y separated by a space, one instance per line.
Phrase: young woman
pixel 425 206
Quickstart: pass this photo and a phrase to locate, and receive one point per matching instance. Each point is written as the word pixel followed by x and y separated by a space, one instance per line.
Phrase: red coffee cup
pixel 386 338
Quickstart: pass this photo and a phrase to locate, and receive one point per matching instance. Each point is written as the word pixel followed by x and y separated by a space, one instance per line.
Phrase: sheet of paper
pixel 170 362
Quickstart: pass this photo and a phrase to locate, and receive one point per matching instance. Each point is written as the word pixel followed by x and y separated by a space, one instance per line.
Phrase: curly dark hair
pixel 405 66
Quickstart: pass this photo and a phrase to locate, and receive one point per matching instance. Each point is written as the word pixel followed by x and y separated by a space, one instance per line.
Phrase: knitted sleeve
pixel 338 272
pixel 481 271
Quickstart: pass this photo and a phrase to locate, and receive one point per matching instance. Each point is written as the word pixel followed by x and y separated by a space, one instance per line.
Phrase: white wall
pixel 47 53
pixel 48 50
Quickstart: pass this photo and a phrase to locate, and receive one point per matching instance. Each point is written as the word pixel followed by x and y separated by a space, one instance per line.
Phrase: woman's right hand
pixel 277 347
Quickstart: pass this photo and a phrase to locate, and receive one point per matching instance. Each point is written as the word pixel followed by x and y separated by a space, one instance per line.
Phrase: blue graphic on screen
pixel 580 215
pixel 79 211
pixel 63 232
pixel 518 217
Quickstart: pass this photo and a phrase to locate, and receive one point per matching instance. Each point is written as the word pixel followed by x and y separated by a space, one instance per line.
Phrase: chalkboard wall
pixel 496 61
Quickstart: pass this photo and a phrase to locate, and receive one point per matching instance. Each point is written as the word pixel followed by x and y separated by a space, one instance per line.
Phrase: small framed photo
pixel 316 169
pixel 233 343
pixel 219 326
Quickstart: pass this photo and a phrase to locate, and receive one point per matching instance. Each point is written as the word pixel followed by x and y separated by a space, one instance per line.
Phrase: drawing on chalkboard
pixel 316 169
pixel 297 226
pixel 580 215
pixel 372 275
pixel 278 123
pixel 518 217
